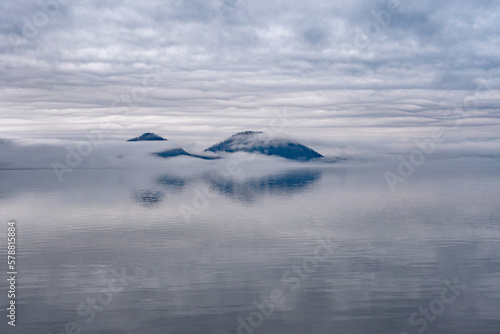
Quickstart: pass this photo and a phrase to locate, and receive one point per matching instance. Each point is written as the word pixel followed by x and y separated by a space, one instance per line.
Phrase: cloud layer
pixel 328 72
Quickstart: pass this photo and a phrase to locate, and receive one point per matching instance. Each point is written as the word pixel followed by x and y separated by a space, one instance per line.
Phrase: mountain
pixel 180 151
pixel 253 142
pixel 148 136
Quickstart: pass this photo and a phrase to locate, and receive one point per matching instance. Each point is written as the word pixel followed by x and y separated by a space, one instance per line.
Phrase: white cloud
pixel 202 70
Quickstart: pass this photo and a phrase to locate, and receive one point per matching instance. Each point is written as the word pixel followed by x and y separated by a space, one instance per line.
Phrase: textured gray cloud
pixel 374 70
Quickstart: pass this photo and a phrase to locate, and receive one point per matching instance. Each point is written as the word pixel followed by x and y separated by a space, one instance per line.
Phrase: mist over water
pixel 385 255
pixel 304 167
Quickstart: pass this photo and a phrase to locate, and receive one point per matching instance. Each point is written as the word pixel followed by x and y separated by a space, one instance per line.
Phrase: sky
pixel 338 75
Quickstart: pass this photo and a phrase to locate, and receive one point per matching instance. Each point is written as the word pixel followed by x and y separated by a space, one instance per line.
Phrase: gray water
pixel 342 252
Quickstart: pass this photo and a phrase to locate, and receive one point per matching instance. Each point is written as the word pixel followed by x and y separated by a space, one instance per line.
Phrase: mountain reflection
pixel 171 182
pixel 148 197
pixel 248 190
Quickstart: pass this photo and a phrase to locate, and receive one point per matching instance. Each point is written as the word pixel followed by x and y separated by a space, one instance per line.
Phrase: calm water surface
pixel 202 254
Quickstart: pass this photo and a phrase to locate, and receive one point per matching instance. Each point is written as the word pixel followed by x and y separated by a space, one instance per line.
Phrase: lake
pixel 306 249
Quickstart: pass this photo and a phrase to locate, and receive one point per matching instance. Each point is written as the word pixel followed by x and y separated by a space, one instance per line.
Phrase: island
pixel 257 142
pixel 148 136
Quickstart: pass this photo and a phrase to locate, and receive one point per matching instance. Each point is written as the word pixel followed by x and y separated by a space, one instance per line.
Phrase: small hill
pixel 255 142
pixel 179 152
pixel 148 136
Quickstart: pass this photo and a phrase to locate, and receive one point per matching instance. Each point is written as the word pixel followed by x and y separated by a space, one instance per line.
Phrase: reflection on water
pixel 172 182
pixel 386 255
pixel 247 190
pixel 148 197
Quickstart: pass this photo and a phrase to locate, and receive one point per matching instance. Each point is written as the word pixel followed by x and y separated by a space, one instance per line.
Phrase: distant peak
pixel 250 141
pixel 148 136
pixel 180 152
pixel 245 133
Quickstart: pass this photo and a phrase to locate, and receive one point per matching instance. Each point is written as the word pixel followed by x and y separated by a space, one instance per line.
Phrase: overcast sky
pixel 336 71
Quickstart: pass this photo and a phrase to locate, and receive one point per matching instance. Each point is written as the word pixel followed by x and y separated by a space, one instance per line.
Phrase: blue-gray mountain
pixel 180 151
pixel 148 136
pixel 255 142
